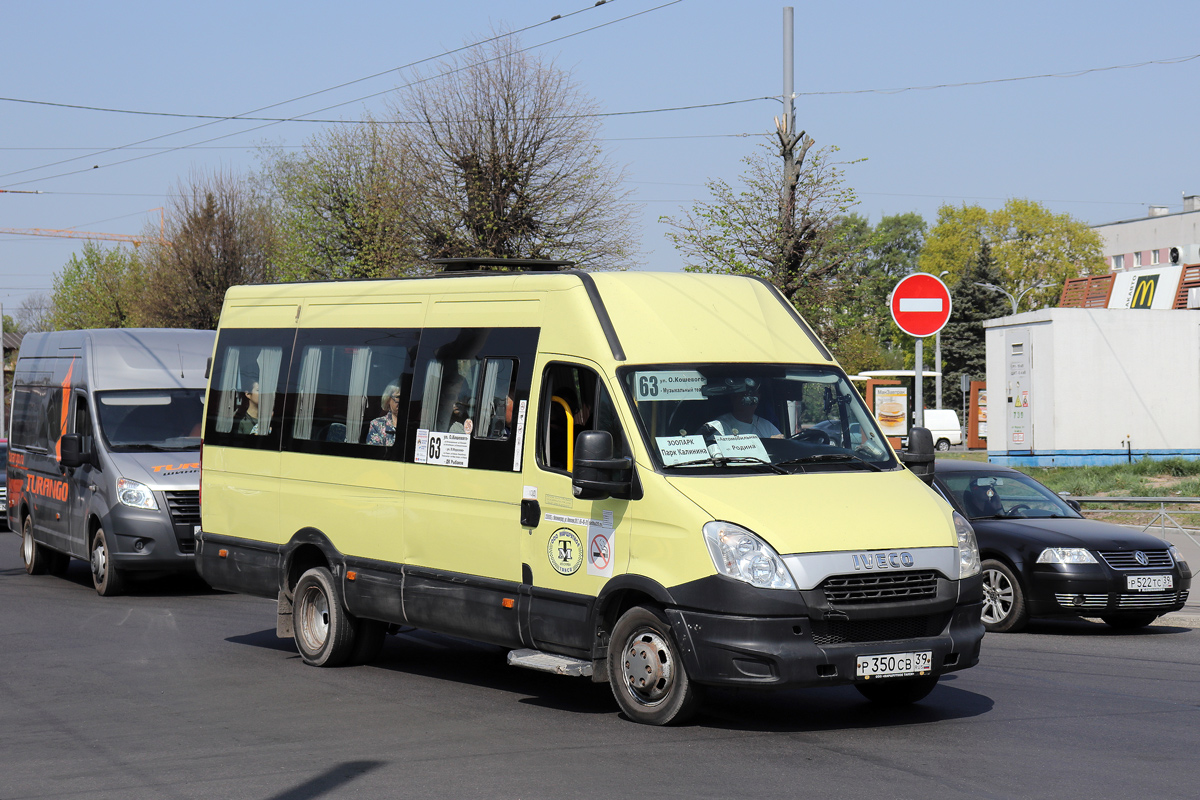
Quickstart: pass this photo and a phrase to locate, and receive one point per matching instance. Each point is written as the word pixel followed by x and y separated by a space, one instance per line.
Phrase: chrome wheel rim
pixel 647 667
pixel 998 596
pixel 314 618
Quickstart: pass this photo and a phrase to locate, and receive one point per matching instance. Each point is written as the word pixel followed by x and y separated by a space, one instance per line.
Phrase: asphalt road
pixel 180 692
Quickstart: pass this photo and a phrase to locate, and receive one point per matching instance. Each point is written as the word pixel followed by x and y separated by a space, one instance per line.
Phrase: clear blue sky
pixel 1101 146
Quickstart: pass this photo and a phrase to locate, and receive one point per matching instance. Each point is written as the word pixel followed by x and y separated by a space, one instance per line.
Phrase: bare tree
pixel 512 163
pixel 217 234
pixel 34 313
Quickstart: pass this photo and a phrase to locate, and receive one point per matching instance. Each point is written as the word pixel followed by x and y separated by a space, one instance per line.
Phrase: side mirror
pixel 71 448
pixel 920 454
pixel 597 474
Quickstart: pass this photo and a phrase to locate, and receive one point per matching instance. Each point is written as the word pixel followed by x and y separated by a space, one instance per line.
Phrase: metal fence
pixel 1163 518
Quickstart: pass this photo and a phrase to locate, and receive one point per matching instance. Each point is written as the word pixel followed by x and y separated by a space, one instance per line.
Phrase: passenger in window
pixel 740 419
pixel 460 420
pixel 245 418
pixel 383 429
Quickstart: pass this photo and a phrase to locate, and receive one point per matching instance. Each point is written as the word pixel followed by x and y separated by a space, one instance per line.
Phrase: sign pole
pixel 918 393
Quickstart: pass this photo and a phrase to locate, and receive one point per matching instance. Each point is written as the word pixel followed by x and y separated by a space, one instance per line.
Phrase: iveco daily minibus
pixel 104 460
pixel 645 478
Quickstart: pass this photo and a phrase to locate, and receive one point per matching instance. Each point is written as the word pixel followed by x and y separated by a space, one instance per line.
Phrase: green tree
pixel 963 345
pixel 1029 244
pixel 99 288
pixel 217 234
pixel 740 231
pixel 510 163
pixel 345 205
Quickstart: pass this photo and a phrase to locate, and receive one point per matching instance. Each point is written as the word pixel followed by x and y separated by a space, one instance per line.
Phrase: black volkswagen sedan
pixel 1041 558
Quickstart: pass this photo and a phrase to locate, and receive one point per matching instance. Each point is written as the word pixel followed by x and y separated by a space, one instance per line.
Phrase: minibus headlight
pixel 738 553
pixel 135 494
pixel 968 548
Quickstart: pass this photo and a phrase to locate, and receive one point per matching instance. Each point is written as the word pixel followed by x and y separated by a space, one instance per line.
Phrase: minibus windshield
pixel 754 418
pixel 151 420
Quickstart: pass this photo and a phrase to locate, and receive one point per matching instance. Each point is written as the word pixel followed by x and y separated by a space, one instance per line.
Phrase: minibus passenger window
pixel 578 390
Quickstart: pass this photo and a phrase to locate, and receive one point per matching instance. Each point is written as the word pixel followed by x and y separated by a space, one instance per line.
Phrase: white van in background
pixel 943 424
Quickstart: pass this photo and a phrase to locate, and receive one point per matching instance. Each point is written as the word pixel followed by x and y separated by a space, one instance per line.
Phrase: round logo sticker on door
pixel 565 551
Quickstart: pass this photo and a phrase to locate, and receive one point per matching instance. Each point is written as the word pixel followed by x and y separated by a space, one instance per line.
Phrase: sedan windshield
pixel 754 418
pixel 160 419
pixel 988 495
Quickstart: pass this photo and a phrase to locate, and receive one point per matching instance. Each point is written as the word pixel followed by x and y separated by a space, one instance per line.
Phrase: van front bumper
pixel 145 540
pixel 731 650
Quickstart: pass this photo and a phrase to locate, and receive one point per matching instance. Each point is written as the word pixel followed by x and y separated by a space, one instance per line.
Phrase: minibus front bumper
pixel 148 540
pixel 721 649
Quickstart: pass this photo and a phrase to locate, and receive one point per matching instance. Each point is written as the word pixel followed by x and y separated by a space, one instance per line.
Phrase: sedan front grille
pixel 1157 600
pixel 1126 559
pixel 881 588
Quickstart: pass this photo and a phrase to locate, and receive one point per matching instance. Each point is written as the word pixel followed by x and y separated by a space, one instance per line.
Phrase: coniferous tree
pixel 963 347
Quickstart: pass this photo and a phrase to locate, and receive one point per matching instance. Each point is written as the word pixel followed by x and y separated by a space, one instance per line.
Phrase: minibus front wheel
pixel 105 577
pixel 646 672
pixel 324 628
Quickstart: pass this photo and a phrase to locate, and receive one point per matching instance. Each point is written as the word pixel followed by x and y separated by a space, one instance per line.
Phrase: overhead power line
pixel 335 105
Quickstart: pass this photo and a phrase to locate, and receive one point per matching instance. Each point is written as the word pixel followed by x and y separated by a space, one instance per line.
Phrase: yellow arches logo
pixel 1143 291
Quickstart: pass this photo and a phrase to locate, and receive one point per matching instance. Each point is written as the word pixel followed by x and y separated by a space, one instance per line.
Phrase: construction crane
pixel 96 237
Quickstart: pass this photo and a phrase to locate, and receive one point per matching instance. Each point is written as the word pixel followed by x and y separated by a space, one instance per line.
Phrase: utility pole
pixel 789 141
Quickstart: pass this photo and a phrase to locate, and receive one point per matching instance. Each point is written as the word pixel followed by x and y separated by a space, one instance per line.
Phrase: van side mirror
pixel 597 474
pixel 919 455
pixel 71 448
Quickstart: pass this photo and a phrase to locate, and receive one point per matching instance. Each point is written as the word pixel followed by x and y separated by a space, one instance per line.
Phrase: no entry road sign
pixel 921 304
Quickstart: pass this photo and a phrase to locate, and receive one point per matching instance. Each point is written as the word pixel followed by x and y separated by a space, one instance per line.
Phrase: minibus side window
pixel 29 427
pixel 349 391
pixel 579 389
pixel 248 376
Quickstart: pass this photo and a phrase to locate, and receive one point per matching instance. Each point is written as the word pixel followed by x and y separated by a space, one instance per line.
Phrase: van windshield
pixel 754 418
pixel 151 420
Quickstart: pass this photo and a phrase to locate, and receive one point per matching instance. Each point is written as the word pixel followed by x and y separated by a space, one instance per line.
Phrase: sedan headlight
pixel 1066 555
pixel 968 547
pixel 135 494
pixel 738 553
pixel 1178 556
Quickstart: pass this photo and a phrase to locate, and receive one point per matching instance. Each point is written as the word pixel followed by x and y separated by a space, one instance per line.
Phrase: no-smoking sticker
pixel 600 552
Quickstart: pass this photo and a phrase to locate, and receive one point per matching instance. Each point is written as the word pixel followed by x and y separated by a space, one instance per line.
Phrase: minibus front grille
pixel 184 507
pixel 858 631
pixel 887 587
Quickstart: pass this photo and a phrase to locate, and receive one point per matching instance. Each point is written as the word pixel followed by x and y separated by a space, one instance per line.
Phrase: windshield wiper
pixel 832 457
pixel 147 447
pixel 723 461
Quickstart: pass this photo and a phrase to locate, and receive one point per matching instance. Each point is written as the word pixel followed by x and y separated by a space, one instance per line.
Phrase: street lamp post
pixel 1022 290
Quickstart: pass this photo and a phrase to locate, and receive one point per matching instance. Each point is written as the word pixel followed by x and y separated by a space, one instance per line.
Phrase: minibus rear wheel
pixel 645 670
pixel 324 628
pixel 105 578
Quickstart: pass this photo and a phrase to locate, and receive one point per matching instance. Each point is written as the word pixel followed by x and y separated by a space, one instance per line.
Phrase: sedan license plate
pixel 1149 583
pixel 894 664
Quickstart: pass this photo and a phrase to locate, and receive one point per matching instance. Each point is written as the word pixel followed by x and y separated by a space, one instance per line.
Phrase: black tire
pixel 368 641
pixel 897 691
pixel 943 445
pixel 1004 609
pixel 1129 622
pixel 323 628
pixel 105 577
pixel 645 670
pixel 37 557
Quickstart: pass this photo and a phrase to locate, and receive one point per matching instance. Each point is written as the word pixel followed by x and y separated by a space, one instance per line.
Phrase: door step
pixel 548 662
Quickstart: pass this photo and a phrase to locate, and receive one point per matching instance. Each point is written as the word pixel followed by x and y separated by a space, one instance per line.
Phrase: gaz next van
pixel 618 475
pixel 104 460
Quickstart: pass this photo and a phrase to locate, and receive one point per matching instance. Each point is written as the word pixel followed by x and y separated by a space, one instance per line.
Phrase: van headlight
pixel 738 553
pixel 138 495
pixel 968 548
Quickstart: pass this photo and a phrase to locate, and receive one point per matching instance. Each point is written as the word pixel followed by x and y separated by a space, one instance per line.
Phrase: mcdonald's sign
pixel 1143 291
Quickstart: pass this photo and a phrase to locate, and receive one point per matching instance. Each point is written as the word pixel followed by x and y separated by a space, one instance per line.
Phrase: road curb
pixel 1185 620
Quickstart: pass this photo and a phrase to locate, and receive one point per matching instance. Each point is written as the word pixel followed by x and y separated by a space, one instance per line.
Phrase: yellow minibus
pixel 662 481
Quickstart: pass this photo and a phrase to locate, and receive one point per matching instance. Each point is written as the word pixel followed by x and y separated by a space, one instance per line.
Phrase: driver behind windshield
pixel 741 398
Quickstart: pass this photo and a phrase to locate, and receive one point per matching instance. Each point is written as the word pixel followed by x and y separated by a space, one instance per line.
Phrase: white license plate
pixel 894 664
pixel 1149 583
